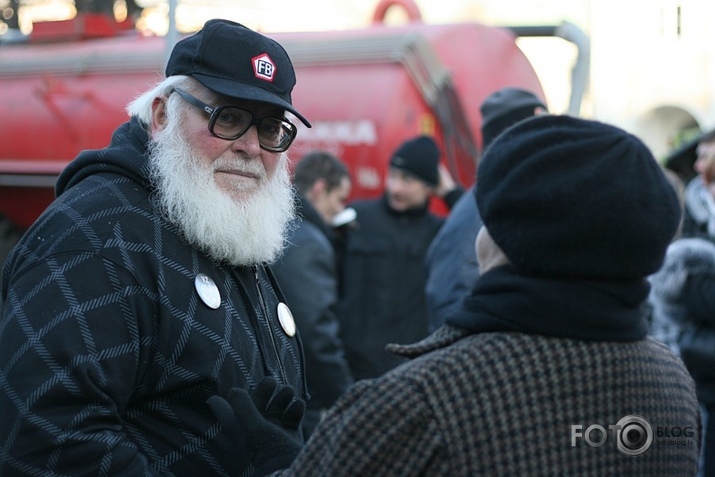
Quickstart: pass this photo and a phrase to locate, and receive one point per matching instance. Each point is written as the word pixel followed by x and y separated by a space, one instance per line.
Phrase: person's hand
pixel 267 422
pixel 446 181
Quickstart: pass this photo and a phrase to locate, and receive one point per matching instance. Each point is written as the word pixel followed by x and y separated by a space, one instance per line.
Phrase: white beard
pixel 245 232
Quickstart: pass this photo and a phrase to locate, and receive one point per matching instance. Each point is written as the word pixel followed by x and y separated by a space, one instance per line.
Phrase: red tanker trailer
pixel 66 86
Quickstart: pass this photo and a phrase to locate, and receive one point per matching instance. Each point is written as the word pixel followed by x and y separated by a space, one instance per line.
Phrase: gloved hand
pixel 268 422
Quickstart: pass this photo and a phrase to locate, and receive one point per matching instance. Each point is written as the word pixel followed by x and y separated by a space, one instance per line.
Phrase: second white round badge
pixel 285 317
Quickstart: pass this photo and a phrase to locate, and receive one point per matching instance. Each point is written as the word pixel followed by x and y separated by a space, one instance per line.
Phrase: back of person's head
pixel 319 165
pixel 505 107
pixel 569 197
pixel 420 157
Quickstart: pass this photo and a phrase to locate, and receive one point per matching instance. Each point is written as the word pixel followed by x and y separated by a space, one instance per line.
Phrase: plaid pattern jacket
pixel 503 404
pixel 107 351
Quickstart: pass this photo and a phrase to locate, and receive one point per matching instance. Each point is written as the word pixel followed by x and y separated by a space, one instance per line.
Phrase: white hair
pixel 141 106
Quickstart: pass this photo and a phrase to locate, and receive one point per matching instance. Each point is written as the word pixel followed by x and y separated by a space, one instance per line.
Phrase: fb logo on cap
pixel 263 67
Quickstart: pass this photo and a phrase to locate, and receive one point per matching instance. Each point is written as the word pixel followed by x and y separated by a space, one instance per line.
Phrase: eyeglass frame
pixel 213 113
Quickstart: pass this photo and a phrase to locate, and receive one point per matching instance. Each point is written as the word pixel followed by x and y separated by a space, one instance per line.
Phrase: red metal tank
pixel 364 90
pixel 60 97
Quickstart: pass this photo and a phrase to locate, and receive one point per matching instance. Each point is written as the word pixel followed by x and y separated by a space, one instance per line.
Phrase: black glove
pixel 268 422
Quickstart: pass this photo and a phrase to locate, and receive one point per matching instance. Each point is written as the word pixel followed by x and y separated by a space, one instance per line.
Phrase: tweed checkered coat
pixel 503 404
pixel 108 353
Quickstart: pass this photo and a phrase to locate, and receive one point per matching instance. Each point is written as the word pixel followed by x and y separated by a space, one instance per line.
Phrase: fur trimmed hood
pixel 700 204
pixel 684 258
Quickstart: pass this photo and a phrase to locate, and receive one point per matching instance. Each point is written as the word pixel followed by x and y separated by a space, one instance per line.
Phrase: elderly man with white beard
pixel 143 289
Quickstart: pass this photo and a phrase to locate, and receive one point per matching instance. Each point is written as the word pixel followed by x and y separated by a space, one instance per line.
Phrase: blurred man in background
pixel 451 264
pixel 383 277
pixel 308 275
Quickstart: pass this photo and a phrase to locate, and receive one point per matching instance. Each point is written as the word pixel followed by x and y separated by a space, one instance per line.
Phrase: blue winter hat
pixel 571 197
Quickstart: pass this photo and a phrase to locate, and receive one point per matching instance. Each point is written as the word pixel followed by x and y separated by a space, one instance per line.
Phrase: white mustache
pixel 244 166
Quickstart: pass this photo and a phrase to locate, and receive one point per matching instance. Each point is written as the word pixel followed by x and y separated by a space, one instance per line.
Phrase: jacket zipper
pixel 266 316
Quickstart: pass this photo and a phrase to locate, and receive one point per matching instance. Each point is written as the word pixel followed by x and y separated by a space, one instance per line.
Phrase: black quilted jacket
pixel 107 352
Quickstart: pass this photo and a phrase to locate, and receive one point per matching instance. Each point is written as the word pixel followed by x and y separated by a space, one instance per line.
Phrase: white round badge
pixel 285 317
pixel 208 291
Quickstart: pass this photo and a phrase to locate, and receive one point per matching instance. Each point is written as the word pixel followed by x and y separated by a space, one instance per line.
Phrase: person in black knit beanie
pixel 382 278
pixel 547 368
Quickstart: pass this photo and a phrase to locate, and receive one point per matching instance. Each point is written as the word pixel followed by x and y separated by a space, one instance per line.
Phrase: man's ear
pixel 320 186
pixel 158 114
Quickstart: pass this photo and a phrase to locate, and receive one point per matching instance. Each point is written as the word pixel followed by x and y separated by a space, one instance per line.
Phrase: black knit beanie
pixel 568 197
pixel 504 108
pixel 418 156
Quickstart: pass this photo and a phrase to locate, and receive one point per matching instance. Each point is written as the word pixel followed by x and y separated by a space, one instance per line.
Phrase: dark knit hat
pixel 504 108
pixel 569 197
pixel 420 157
pixel 238 62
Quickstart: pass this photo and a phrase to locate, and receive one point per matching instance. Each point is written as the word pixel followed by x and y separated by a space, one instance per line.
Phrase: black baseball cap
pixel 237 62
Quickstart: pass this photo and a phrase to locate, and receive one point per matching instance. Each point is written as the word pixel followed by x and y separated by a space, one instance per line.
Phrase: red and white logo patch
pixel 263 67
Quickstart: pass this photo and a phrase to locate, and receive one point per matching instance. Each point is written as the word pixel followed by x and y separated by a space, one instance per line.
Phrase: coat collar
pixel 441 338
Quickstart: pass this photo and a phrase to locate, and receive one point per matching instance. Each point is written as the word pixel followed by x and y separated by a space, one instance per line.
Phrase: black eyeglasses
pixel 231 122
